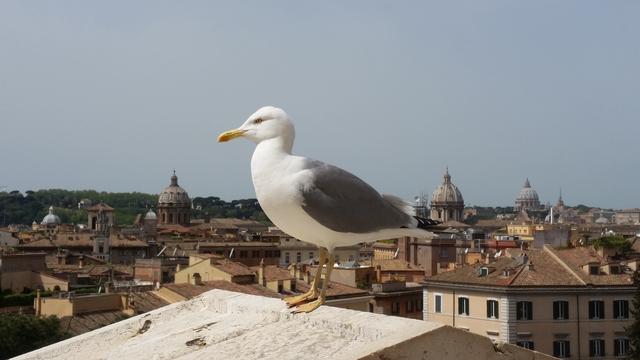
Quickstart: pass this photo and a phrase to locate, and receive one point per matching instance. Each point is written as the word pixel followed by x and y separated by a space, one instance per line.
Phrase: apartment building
pixel 570 303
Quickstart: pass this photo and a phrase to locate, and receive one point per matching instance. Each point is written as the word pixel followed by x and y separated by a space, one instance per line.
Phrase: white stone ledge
pixel 226 325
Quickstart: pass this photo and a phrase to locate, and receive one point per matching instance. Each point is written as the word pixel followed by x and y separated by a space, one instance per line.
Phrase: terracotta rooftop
pixel 75 240
pixel 575 258
pixel 190 291
pixel 231 267
pixel 551 268
pixel 394 265
pixel 273 272
pixel 335 289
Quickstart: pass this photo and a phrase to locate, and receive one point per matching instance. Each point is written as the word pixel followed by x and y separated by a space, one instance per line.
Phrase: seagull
pixel 316 202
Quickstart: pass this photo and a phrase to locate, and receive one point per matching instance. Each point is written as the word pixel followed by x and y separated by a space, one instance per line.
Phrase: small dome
pixel 602 220
pixel 447 192
pixel 51 218
pixel 150 215
pixel 174 195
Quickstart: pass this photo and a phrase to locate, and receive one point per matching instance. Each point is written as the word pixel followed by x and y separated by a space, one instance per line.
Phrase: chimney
pixel 261 275
pixel 530 266
pixel 81 262
pixel 378 274
pixel 38 303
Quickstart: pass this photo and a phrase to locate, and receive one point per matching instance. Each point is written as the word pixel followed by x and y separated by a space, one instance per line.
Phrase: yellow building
pixel 570 303
pixel 207 267
pixel 523 231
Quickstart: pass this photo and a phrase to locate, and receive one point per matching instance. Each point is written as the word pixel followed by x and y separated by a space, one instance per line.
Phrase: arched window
pixel 171 219
pixel 164 218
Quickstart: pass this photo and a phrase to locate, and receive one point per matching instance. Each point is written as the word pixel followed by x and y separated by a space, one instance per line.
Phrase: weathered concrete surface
pixel 226 325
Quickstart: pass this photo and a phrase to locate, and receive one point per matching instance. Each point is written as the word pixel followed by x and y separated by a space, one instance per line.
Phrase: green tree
pixel 23 333
pixel 633 331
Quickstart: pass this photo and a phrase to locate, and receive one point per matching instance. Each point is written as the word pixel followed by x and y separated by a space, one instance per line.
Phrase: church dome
pixel 150 215
pixel 447 192
pixel 528 193
pixel 174 195
pixel 51 218
pixel 527 198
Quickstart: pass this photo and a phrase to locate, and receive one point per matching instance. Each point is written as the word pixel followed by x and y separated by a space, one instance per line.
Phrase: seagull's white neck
pixel 269 153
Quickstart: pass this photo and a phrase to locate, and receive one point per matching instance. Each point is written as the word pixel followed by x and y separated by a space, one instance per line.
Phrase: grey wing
pixel 342 202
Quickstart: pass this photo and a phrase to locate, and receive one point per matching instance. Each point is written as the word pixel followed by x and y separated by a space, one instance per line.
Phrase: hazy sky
pixel 114 95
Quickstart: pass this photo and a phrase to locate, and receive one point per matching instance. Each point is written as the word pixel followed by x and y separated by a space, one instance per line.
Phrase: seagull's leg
pixel 313 292
pixel 309 307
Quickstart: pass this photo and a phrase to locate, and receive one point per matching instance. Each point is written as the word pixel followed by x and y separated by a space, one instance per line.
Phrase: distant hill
pixel 19 208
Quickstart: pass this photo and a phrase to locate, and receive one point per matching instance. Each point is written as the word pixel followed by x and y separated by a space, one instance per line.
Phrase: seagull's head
pixel 267 123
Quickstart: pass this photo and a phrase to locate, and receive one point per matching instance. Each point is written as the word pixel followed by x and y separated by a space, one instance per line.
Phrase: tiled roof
pixel 335 289
pixel 575 258
pixel 394 265
pixel 75 240
pixel 231 267
pixel 552 268
pixel 273 272
pixel 190 291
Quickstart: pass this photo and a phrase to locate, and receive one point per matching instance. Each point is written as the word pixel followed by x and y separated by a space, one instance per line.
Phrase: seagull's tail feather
pixel 426 224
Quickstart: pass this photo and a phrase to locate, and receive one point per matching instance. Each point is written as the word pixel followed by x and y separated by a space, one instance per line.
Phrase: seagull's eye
pixel 257 121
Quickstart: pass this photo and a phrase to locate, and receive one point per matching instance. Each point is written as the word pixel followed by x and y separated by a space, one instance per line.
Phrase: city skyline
pixel 113 98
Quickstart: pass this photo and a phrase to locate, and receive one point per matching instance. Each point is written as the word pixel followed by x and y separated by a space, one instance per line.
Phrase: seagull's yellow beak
pixel 230 135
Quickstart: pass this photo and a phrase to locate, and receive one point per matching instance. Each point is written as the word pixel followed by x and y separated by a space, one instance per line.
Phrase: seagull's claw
pixel 299 299
pixel 308 307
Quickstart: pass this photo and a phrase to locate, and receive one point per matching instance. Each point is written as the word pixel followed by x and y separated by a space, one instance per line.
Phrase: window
pixel 560 310
pixel 409 306
pixel 620 347
pixel 463 306
pixel 484 271
pixel 311 255
pixel 395 307
pixel 596 347
pixel 438 303
pixel 444 252
pixel 419 306
pixel 620 309
pixel 594 270
pixel 299 257
pixel 286 258
pixel 492 309
pixel 527 344
pixel 243 253
pixel 524 310
pixel 255 253
pixel 596 309
pixel 561 349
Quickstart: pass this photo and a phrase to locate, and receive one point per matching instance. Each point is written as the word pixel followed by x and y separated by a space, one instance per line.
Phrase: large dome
pixel 51 218
pixel 447 193
pixel 174 195
pixel 527 198
pixel 528 193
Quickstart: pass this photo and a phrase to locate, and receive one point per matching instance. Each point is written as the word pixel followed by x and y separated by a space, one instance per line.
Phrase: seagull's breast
pixel 278 180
